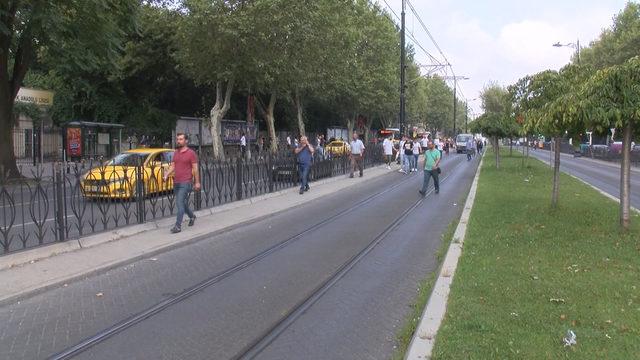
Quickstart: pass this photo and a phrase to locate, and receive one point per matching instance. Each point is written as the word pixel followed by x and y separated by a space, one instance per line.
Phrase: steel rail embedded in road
pixel 159 307
pixel 262 342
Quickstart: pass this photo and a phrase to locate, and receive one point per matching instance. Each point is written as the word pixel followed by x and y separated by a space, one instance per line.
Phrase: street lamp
pixel 466 113
pixel 575 46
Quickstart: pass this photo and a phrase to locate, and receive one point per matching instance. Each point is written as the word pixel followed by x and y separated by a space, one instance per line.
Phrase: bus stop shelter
pixel 91 140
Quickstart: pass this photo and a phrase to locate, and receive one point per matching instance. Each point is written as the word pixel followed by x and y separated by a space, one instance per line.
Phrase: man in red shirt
pixel 185 166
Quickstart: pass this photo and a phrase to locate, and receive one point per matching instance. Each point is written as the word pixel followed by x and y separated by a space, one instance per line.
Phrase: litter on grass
pixel 569 338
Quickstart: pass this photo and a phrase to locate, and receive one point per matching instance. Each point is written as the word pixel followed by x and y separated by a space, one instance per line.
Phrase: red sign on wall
pixel 74 142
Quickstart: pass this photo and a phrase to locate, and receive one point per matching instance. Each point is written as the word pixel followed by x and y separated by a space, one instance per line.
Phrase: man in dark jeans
pixel 185 166
pixel 431 166
pixel 304 151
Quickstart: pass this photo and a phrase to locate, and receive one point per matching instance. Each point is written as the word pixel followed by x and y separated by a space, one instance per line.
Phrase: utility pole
pixel 402 71
pixel 466 116
pixel 455 103
pixel 455 97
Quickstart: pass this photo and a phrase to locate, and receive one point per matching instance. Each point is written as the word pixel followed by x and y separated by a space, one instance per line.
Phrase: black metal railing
pixel 63 201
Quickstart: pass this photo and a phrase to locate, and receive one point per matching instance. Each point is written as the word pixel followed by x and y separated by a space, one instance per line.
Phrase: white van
pixel 461 142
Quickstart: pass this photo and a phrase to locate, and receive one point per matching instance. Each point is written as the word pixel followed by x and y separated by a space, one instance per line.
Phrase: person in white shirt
pixel 416 154
pixel 424 143
pixel 288 141
pixel 387 146
pixel 401 154
pixel 243 145
pixel 357 155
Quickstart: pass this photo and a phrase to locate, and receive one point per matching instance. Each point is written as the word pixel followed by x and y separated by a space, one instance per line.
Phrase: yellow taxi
pixel 118 177
pixel 338 148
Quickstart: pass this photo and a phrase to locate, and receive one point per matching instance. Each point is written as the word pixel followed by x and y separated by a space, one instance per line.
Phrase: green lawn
pixel 529 273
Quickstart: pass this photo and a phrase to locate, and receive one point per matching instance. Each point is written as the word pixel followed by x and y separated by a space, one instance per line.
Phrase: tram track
pixel 262 341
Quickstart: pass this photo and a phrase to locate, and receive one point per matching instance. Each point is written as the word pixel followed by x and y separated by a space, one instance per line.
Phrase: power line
pixel 412 38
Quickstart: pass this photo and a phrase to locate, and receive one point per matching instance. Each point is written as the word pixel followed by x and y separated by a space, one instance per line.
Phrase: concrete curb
pixel 50 271
pixel 424 337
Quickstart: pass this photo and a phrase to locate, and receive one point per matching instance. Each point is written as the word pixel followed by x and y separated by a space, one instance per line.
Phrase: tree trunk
pixel 556 173
pixel 299 115
pixel 525 145
pixel 625 177
pixel 496 150
pixel 269 118
pixel 367 128
pixel 350 123
pixel 8 166
pixel 218 112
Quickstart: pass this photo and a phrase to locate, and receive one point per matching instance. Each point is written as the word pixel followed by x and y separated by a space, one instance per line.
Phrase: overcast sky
pixel 503 40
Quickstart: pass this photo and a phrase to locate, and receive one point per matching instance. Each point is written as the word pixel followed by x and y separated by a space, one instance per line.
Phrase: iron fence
pixel 62 201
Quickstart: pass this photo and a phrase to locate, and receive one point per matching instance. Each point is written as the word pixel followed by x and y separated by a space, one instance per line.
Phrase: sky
pixel 503 40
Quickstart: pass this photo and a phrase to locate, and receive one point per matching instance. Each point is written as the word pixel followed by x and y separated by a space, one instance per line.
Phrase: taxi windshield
pixel 129 159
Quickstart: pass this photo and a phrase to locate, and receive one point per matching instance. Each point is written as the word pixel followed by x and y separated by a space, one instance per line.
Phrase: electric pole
pixel 402 70
pixel 455 97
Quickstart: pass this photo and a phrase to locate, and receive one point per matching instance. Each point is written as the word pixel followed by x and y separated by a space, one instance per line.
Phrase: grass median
pixel 529 273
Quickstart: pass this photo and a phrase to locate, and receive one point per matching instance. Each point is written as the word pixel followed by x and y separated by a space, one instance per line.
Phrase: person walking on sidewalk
pixel 470 147
pixel 387 145
pixel 357 155
pixel 305 155
pixel 407 151
pixel 243 146
pixel 400 154
pixel 185 167
pixel 416 153
pixel 431 169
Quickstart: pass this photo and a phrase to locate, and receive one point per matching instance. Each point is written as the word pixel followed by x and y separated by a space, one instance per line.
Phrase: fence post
pixel 197 195
pixel 59 207
pixel 239 178
pixel 140 192
pixel 270 172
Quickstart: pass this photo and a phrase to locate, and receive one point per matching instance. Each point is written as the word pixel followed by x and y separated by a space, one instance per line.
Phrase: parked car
pixel 338 148
pixel 118 177
pixel 616 147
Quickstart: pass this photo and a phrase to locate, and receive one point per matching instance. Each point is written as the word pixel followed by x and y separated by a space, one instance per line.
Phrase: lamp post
pixel 466 113
pixel 402 72
pixel 575 46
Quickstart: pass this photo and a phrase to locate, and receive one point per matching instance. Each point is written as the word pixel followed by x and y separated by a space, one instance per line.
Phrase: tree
pixel 611 98
pixel 551 103
pixel 81 34
pixel 496 121
pixel 213 49
pixel 618 43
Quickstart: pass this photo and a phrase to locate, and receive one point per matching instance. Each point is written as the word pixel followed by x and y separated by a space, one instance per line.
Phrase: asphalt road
pixel 604 176
pixel 357 317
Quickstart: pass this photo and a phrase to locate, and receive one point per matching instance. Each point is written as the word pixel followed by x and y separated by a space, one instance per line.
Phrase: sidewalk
pixel 29 272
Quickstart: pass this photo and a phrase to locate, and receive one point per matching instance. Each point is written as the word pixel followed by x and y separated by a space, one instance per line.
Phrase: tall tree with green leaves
pixel 81 34
pixel 495 122
pixel 611 99
pixel 213 42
